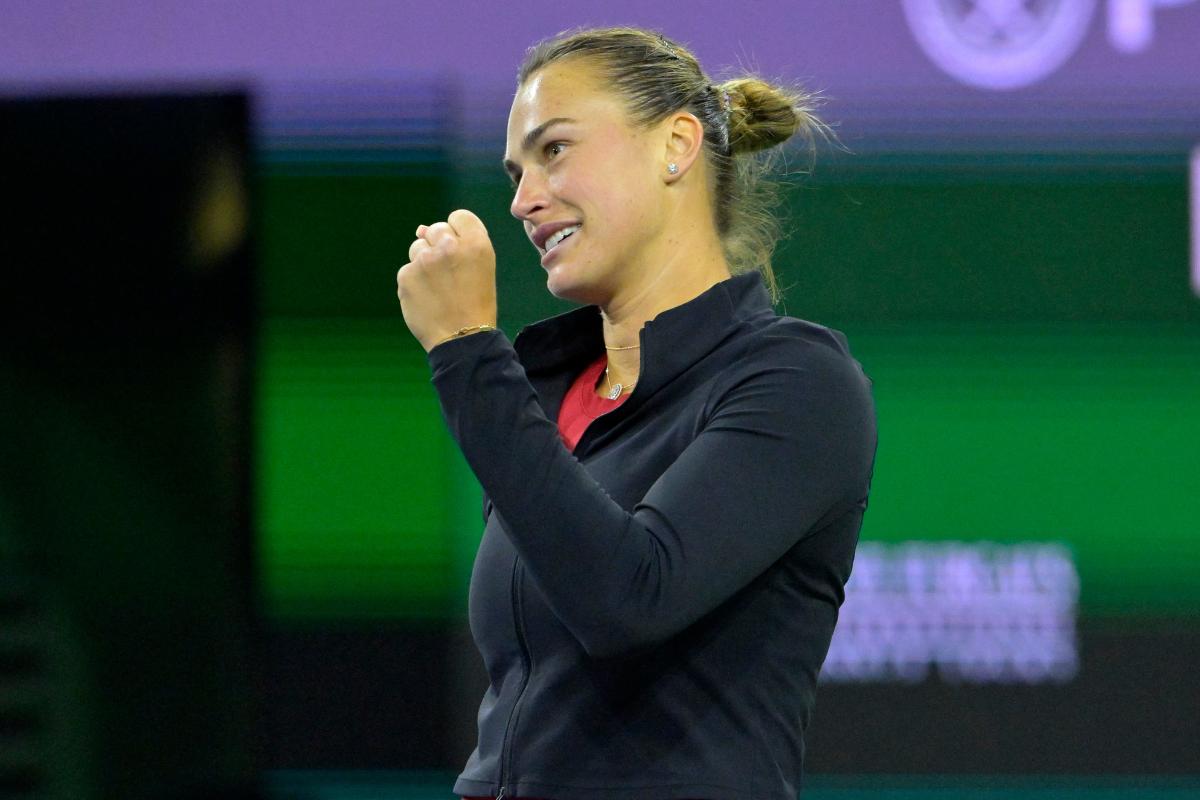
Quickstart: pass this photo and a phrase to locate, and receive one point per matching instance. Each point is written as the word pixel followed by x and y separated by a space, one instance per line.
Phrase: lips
pixel 549 256
pixel 543 232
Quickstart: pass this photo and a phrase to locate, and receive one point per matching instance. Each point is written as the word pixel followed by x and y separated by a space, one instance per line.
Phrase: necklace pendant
pixel 615 392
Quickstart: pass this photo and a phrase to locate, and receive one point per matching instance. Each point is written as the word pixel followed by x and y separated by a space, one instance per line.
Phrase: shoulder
pixel 804 353
pixel 796 384
pixel 797 381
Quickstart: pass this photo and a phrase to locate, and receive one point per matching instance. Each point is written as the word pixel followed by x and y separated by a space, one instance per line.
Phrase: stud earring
pixel 673 168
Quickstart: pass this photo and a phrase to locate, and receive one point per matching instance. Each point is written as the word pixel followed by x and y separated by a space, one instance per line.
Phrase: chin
pixel 565 286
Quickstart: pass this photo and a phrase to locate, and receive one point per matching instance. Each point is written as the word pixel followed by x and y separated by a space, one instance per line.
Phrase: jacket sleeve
pixel 785 450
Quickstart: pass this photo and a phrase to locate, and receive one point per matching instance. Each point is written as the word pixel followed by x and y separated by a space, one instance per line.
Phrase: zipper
pixel 513 716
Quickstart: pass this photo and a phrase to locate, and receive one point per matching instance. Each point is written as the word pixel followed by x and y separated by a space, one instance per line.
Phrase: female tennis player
pixel 674 474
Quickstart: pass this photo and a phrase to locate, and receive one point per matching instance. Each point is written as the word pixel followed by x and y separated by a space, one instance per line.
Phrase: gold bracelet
pixel 468 329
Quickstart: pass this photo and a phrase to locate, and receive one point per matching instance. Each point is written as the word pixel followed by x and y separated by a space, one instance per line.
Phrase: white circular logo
pixel 999 44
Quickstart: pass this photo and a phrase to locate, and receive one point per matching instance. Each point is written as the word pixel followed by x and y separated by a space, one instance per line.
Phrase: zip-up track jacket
pixel 653 609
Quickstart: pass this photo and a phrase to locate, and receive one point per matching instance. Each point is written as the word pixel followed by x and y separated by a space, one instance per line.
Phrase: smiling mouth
pixel 560 237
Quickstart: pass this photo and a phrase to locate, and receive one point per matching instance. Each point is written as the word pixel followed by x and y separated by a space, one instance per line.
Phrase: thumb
pixel 466 224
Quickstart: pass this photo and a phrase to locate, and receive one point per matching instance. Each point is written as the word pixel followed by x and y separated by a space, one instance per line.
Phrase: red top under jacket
pixel 581 405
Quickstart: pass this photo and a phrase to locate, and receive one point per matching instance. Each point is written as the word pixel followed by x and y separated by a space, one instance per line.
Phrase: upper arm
pixel 786 449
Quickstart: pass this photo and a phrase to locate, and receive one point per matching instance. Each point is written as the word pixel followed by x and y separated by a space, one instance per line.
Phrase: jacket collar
pixel 670 343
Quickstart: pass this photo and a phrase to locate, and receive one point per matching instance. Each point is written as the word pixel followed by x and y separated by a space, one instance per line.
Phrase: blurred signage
pixel 974 612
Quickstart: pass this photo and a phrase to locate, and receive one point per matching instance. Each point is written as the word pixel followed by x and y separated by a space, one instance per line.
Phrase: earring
pixel 673 168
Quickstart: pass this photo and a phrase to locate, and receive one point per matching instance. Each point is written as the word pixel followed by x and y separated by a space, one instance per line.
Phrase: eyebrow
pixel 531 138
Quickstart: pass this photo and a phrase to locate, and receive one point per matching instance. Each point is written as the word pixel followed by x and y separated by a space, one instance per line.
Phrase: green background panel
pixel 332 239
pixel 1033 343
pixel 1084 434
pixel 355 466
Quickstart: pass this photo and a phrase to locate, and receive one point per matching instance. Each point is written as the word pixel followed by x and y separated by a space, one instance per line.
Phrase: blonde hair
pixel 744 119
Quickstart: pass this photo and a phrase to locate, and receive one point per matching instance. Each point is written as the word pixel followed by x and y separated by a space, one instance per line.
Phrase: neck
pixel 683 259
pixel 681 278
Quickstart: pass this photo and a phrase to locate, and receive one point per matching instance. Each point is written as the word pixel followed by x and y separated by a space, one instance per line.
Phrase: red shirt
pixel 580 405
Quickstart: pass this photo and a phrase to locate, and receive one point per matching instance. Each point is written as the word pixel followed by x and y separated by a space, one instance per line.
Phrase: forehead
pixel 570 88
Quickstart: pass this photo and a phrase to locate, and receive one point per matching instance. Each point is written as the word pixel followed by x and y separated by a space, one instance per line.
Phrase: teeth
pixel 558 237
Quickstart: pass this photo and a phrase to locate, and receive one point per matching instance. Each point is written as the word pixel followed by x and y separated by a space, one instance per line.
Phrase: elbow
pixel 630 614
pixel 619 637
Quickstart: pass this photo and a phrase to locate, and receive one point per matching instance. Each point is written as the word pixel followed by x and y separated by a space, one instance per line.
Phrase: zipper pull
pixel 501 795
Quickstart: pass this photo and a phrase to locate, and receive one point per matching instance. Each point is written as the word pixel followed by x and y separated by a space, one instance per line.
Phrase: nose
pixel 530 196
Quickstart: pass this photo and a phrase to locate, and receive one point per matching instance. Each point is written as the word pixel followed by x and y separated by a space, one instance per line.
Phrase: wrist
pixel 467 331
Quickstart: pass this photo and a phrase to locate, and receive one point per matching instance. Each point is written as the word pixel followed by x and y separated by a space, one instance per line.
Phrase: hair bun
pixel 762 115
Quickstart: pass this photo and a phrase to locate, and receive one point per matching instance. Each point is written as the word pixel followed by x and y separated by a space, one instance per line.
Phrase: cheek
pixel 589 192
pixel 630 204
pixel 613 192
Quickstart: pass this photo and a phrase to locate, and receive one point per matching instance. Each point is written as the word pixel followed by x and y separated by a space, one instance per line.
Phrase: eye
pixel 554 148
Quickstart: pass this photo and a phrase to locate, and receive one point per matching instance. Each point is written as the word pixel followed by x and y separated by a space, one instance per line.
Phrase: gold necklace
pixel 615 389
pixel 630 347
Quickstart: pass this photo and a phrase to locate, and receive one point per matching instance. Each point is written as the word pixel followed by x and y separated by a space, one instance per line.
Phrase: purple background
pixel 849 47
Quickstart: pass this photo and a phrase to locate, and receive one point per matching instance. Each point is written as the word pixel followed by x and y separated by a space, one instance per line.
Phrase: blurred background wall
pixel 1007 236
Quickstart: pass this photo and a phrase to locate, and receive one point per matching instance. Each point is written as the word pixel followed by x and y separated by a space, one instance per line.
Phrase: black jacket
pixel 654 608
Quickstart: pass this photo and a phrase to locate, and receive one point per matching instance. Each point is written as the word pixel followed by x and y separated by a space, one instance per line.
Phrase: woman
pixel 674 475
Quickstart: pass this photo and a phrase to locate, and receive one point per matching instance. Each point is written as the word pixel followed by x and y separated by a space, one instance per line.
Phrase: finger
pixel 439 232
pixel 416 248
pixel 421 229
pixel 466 224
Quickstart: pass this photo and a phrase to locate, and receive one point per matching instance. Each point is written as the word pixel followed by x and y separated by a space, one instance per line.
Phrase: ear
pixel 684 144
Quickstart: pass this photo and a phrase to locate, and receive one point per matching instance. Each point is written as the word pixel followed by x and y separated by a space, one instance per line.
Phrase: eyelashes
pixel 550 150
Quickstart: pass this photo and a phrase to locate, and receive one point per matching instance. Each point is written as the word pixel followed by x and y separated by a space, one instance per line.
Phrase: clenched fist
pixel 450 280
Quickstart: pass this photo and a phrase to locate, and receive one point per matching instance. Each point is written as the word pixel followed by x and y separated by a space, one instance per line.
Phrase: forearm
pixel 561 521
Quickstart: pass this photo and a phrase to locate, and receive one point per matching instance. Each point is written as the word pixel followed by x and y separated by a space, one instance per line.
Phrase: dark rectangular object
pixel 127 604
